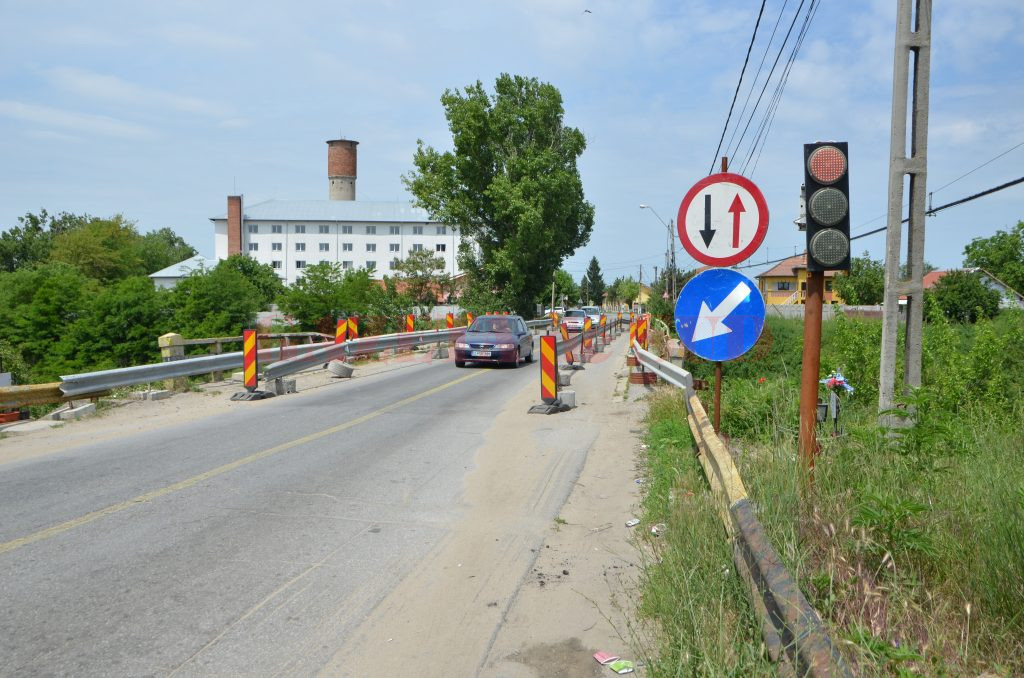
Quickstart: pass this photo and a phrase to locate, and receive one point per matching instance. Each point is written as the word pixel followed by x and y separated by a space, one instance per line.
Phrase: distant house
pixel 1008 297
pixel 786 283
pixel 168 277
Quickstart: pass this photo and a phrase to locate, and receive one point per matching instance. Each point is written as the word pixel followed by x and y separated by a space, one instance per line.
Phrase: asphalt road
pixel 245 545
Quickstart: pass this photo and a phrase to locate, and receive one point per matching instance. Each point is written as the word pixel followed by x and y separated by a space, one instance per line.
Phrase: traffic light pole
pixel 811 368
pixel 912 42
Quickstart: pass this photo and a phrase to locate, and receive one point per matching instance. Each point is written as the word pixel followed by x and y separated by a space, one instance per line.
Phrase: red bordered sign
pixel 723 219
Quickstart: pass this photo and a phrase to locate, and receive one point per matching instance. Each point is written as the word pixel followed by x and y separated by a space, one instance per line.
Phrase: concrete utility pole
pixel 913 42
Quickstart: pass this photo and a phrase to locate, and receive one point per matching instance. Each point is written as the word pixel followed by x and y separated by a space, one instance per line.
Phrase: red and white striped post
pixel 249 359
pixel 548 369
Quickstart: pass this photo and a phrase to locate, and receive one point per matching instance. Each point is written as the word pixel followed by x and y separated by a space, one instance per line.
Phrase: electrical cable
pixel 987 162
pixel 740 82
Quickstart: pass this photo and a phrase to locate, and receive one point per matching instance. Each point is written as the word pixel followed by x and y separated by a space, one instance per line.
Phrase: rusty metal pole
pixel 811 368
pixel 718 396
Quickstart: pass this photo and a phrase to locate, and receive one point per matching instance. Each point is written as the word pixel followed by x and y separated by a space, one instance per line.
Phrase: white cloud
pixel 80 122
pixel 112 88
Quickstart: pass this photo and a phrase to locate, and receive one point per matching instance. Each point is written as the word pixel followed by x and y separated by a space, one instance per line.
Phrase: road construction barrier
pixel 632 331
pixel 588 342
pixel 565 338
pixel 353 327
pixel 604 329
pixel 641 331
pixel 249 359
pixel 554 319
pixel 792 630
pixel 341 331
pixel 469 318
pixel 548 369
pixel 449 320
pixel 410 323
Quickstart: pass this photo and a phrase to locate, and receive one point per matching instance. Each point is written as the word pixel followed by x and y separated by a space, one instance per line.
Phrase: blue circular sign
pixel 720 314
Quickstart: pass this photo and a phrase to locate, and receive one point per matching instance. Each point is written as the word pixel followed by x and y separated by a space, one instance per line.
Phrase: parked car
pixel 573 319
pixel 495 339
pixel 594 314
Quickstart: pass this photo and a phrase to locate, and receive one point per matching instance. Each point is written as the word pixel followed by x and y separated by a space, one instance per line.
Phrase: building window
pixel 324 228
pixel 254 247
pixel 299 263
pixel 394 230
pixel 346 247
pixel 442 230
pixel 371 247
pixel 417 230
pixel 254 228
pixel 275 247
pixel 324 261
pixel 828 285
pixel 346 264
pixel 394 247
pixel 440 247
pixel 346 230
pixel 276 228
pixel 417 247
pixel 325 247
pixel 300 247
pixel 784 286
pixel 300 228
pixel 371 265
pixel 371 230
pixel 275 264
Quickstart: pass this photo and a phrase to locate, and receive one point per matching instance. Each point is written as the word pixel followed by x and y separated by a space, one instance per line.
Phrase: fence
pixel 791 629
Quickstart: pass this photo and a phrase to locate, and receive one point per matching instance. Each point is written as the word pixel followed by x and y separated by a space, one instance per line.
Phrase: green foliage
pixel 593 287
pixel 103 249
pixel 1002 255
pixel 325 291
pixel 30 242
pixel 121 325
pixel 567 292
pixel 161 248
pixel 963 297
pixel 894 524
pixel 510 185
pixel 262 276
pixel 853 346
pixel 423 275
pixel 864 284
pixel 624 290
pixel 11 361
pixel 216 303
pixel 386 307
pixel 37 306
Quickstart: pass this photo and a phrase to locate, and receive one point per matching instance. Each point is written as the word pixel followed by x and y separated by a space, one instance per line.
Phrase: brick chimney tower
pixel 341 169
pixel 234 224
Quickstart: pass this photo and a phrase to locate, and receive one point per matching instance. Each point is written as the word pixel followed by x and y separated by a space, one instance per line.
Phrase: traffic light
pixel 827 181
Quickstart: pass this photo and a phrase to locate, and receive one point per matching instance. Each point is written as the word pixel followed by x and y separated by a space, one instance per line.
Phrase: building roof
pixel 932 277
pixel 183 268
pixel 787 268
pixel 333 210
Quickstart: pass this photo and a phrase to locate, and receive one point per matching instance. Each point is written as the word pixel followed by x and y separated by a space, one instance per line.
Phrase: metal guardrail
pixel 789 625
pixel 37 394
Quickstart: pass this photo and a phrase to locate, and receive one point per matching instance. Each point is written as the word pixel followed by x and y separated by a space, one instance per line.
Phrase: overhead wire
pixel 738 83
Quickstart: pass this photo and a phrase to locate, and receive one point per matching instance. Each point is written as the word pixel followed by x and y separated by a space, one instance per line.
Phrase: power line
pixel 738 83
pixel 987 162
pixel 934 210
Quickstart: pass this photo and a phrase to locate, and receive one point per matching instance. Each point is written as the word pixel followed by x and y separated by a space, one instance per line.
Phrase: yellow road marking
pixel 220 470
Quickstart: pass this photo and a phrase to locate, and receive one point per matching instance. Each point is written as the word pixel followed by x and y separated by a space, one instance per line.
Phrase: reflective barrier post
pixel 565 337
pixel 410 322
pixel 632 332
pixel 554 319
pixel 449 320
pixel 641 332
pixel 587 344
pixel 353 327
pixel 249 359
pixel 341 331
pixel 604 329
pixel 469 318
pixel 548 369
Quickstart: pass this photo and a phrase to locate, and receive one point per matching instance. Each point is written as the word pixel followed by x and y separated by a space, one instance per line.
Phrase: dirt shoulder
pixel 532 581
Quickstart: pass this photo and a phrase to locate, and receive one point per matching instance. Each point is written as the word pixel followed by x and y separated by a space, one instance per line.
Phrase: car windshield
pixel 575 313
pixel 591 310
pixel 491 325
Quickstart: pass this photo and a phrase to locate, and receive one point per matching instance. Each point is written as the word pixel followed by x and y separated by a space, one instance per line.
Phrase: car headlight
pixel 461 344
pixel 506 346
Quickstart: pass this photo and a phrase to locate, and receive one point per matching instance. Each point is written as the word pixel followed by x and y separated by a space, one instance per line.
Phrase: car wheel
pixel 460 363
pixel 529 358
pixel 515 361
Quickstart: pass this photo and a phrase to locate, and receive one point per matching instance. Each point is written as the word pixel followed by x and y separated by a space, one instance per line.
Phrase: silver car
pixel 573 319
pixel 594 313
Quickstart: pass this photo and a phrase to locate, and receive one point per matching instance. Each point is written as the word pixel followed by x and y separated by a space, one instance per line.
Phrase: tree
pixel 121 325
pixel 31 242
pixel 215 303
pixel 424 277
pixel 159 249
pixel 864 284
pixel 627 290
pixel 566 290
pixel 1002 255
pixel 963 297
pixel 594 291
pixel 103 249
pixel 510 185
pixel 262 276
pixel 326 291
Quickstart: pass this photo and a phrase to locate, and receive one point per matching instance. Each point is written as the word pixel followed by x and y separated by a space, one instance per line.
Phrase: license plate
pixel 480 354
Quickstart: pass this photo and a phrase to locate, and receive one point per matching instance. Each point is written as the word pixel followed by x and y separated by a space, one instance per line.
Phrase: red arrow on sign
pixel 736 208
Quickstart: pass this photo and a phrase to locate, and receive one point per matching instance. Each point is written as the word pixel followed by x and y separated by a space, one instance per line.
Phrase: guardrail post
pixel 217 349
pixel 172 348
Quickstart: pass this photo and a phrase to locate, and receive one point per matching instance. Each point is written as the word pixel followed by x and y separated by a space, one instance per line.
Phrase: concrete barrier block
pixel 440 353
pixel 160 394
pixel 283 386
pixel 78 412
pixel 568 398
pixel 238 376
pixel 564 378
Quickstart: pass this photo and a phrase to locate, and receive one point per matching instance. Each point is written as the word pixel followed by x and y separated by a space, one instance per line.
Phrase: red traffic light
pixel 827 164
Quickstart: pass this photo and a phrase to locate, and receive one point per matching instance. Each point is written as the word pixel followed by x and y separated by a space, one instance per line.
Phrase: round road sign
pixel 719 314
pixel 723 219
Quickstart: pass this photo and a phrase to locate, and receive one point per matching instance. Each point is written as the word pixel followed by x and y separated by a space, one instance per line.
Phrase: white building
pixel 290 235
pixel 167 278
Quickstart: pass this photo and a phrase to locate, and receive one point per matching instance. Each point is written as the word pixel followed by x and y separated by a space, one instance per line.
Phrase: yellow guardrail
pixel 38 394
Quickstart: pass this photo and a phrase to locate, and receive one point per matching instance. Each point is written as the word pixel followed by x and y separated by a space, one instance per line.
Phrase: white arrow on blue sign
pixel 719 314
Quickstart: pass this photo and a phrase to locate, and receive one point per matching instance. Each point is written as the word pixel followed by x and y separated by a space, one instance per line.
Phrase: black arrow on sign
pixel 707 232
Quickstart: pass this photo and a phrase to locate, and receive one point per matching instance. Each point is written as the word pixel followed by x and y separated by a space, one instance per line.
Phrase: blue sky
pixel 160 110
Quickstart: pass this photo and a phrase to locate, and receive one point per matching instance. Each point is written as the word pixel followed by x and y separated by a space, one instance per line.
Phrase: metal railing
pixel 791 628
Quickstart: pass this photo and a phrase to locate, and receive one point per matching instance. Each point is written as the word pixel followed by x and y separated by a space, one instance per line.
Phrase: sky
pixel 158 111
